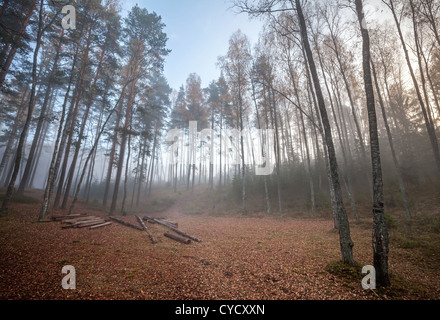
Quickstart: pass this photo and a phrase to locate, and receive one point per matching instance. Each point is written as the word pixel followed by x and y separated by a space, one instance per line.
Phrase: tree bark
pixel 150 235
pixel 123 145
pixel 380 232
pixel 56 156
pixel 21 143
pixel 344 228
pixel 431 131
pixel 393 151
pixel 27 171
pixel 17 122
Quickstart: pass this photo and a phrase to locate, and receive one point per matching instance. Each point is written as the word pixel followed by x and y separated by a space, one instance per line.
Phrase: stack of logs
pixel 181 236
pixel 93 222
pixel 81 221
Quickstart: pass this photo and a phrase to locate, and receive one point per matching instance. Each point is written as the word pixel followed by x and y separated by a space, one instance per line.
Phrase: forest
pixel 314 153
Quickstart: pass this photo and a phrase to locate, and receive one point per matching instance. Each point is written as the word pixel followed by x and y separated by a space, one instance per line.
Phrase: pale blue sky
pixel 198 32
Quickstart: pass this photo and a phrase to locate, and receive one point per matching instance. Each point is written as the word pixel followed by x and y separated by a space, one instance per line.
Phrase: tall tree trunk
pixel 347 173
pixel 71 122
pixel 95 145
pixel 431 131
pixel 344 228
pixel 393 151
pixel 243 171
pixel 153 156
pixel 127 166
pixel 263 148
pixel 130 103
pixel 82 128
pixel 13 135
pixel 112 155
pixel 5 205
pixel 380 232
pixel 302 126
pixel 41 121
pixel 58 149
pixel 141 173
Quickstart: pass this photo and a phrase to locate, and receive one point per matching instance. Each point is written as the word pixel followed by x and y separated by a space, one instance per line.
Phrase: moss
pixel 350 273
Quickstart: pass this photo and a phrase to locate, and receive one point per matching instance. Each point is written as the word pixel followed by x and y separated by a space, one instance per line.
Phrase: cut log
pixel 127 224
pixel 88 221
pixel 166 223
pixel 173 226
pixel 90 224
pixel 150 235
pixel 186 234
pixel 149 219
pixel 177 238
pixel 71 221
pixel 101 225
pixel 83 224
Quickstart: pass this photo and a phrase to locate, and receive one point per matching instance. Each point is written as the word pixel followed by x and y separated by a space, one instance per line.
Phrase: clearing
pixel 241 257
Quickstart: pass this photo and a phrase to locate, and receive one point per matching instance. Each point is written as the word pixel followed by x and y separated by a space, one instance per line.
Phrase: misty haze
pixel 219 150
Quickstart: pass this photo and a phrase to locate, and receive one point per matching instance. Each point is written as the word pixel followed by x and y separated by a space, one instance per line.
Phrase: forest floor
pixel 240 257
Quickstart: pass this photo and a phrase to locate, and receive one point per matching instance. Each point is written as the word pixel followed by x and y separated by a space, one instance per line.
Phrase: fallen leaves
pixel 241 258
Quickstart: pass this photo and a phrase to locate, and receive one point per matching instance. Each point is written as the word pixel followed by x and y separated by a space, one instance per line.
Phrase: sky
pixel 198 32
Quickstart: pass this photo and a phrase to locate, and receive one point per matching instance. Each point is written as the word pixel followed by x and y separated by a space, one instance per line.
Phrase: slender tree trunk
pixel 56 156
pixel 431 131
pixel 380 232
pixel 263 148
pixel 304 135
pixel 130 102
pixel 95 145
pixel 141 173
pixel 153 156
pixel 112 155
pixel 17 122
pixel 82 129
pixel 347 173
pixel 393 151
pixel 127 166
pixel 5 205
pixel 40 123
pixel 344 228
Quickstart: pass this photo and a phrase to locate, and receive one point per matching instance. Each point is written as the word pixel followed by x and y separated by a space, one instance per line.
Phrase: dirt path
pixel 175 210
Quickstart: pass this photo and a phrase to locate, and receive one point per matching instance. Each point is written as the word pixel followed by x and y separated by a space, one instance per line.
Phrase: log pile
pixel 181 236
pixel 93 222
pixel 81 221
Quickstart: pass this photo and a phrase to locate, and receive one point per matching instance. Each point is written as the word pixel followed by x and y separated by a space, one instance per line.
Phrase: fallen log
pixel 150 235
pixel 166 223
pixel 76 220
pixel 90 224
pixel 100 225
pixel 127 224
pixel 148 219
pixel 186 235
pixel 83 224
pixel 173 227
pixel 177 238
